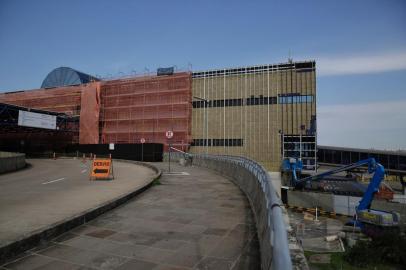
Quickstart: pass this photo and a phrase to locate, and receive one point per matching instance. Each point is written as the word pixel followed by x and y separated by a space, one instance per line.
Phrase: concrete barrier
pixel 255 182
pixel 340 204
pixel 11 161
pixel 311 200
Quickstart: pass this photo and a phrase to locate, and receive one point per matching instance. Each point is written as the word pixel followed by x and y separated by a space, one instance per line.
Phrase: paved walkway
pixel 194 220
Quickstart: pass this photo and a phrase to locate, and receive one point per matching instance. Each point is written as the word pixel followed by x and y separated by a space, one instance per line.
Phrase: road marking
pixel 83 171
pixel 176 173
pixel 52 181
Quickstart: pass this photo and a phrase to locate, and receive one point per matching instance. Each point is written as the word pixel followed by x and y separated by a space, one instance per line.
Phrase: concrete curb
pixel 10 162
pixel 27 242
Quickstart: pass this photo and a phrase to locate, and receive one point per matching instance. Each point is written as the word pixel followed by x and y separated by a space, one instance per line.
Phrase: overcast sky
pixel 359 47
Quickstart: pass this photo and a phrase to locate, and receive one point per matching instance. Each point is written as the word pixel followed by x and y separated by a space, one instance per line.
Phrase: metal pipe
pixel 205 121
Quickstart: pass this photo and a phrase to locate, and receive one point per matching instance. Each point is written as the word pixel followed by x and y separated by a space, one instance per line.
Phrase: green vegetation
pixel 338 262
pixel 389 249
pixel 156 182
pixel 386 252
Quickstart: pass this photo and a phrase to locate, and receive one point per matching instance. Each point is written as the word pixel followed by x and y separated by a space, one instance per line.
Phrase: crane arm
pixel 369 161
pixel 364 213
pixel 373 187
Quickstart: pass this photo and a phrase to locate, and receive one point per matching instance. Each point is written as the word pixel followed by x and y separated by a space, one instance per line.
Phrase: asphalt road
pixel 50 191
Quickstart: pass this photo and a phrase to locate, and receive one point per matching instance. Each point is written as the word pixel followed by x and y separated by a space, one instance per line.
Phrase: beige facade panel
pixel 249 108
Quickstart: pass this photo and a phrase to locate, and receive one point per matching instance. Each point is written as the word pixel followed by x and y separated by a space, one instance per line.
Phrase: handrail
pixel 178 150
pixel 272 225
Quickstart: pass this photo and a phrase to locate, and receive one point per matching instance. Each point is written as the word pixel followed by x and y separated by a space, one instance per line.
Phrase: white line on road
pixel 83 171
pixel 56 180
pixel 176 173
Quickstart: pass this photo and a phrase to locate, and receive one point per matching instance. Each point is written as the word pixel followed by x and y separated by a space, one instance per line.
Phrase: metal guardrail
pixel 271 228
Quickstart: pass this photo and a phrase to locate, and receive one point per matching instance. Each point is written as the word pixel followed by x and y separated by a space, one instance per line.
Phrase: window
pixel 217 142
pixel 198 104
pixel 300 146
pixel 218 103
pixel 294 99
pixel 261 100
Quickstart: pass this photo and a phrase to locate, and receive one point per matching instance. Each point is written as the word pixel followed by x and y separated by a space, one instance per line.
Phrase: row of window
pixel 217 142
pixel 261 100
pixel 218 103
pixel 295 99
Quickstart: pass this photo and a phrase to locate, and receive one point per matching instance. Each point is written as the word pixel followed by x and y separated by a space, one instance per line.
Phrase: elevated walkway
pixel 192 218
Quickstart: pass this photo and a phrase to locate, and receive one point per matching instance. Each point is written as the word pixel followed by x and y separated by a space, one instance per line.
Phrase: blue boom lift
pixel 371 222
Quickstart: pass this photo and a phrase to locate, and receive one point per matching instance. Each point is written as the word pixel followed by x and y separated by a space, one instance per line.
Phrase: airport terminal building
pixel 264 112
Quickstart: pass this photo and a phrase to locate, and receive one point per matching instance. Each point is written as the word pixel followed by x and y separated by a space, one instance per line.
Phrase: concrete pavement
pixel 52 190
pixel 192 220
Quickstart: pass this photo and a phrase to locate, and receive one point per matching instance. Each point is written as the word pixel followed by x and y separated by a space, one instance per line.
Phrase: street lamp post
pixel 205 121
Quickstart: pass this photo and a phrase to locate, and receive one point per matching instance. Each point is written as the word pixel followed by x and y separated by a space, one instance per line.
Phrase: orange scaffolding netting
pixel 62 99
pixel 89 114
pixel 146 108
pixel 120 111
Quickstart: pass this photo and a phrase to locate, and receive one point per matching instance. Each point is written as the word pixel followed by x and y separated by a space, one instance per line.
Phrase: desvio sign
pixel 101 169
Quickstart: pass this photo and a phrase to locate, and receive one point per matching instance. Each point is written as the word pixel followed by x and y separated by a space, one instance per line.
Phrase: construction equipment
pixel 370 221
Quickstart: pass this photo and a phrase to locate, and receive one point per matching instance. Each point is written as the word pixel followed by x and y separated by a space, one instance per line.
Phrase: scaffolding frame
pixel 147 107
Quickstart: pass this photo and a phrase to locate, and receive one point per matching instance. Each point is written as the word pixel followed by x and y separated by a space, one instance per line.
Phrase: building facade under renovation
pixel 123 111
pixel 263 112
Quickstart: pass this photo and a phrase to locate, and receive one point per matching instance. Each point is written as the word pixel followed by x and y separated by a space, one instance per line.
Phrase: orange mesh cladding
pixel 146 108
pixel 126 110
pixel 60 99
pixel 89 114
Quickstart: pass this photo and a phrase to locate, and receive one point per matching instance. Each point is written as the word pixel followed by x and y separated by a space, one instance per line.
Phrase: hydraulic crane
pixel 367 219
